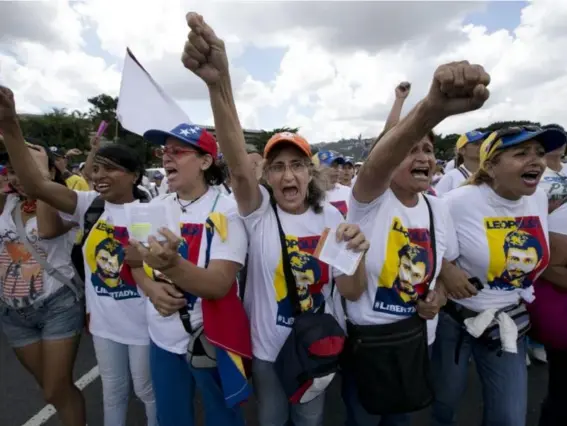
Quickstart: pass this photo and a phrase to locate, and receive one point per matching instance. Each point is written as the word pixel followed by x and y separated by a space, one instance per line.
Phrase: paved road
pixel 20 398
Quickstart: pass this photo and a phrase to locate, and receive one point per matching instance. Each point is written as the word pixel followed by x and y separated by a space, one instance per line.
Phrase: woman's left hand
pixel 160 255
pixel 353 236
pixel 429 308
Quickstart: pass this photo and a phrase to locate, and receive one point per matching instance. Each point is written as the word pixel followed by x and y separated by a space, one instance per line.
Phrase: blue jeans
pixel 174 383
pixel 504 378
pixel 58 317
pixel 274 408
pixel 358 416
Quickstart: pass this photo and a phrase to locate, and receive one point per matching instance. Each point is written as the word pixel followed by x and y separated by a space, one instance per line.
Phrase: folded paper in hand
pixel 336 254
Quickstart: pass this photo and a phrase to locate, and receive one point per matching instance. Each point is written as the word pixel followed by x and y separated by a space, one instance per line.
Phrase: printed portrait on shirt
pixel 104 252
pixel 406 271
pixel 518 251
pixel 310 277
pixel 21 277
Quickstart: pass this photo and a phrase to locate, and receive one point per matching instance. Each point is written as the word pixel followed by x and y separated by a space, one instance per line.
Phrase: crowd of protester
pixel 460 263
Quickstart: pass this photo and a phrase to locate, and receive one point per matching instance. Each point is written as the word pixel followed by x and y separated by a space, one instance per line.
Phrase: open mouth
pixel 531 178
pixel 102 187
pixel 420 173
pixel 290 192
pixel 170 172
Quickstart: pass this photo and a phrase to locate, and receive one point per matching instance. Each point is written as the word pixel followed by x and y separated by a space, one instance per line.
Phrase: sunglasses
pixel 173 151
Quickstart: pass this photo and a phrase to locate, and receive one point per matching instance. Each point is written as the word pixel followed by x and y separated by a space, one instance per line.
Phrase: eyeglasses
pixel 296 167
pixel 173 151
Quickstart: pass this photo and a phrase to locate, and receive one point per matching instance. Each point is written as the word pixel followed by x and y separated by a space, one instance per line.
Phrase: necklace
pixel 185 206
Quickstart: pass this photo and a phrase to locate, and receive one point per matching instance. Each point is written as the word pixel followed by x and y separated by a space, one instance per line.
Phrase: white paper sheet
pixel 336 253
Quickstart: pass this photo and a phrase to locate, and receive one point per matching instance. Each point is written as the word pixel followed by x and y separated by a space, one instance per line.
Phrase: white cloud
pixel 336 79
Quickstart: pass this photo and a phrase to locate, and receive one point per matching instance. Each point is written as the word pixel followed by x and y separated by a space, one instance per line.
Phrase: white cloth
pixel 558 220
pixel 451 180
pixel 399 262
pixel 266 300
pixel 507 327
pixel 22 281
pixel 168 333
pixel 503 243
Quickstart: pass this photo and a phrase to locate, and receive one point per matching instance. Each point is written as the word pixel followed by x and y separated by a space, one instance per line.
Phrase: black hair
pixel 127 158
pixel 216 174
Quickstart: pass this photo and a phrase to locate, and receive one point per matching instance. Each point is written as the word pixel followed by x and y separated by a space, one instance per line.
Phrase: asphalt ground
pixel 20 397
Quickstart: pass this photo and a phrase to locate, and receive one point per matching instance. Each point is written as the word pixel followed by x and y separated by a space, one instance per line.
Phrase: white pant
pixel 117 363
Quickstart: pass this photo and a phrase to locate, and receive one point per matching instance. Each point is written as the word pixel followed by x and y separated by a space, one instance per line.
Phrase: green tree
pixel 261 139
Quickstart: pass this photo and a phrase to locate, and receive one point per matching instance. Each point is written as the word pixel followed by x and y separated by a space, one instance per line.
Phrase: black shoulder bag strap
pixel 286 264
pixel 92 215
pixel 432 240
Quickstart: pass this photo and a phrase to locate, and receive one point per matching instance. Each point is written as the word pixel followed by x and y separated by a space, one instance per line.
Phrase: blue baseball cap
pixel 550 138
pixel 327 158
pixel 470 137
pixel 158 175
pixel 349 160
pixel 187 133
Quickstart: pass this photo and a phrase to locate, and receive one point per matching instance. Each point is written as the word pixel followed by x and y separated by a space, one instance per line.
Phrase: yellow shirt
pixel 77 183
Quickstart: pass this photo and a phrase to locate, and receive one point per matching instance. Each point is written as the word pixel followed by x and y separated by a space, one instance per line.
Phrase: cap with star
pixel 189 134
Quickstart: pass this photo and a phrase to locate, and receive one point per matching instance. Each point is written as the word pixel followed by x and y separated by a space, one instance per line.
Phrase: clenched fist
pixel 403 90
pixel 7 106
pixel 458 87
pixel 204 53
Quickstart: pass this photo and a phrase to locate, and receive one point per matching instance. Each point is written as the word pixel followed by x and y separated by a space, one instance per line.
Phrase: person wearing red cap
pixel 290 212
pixel 194 314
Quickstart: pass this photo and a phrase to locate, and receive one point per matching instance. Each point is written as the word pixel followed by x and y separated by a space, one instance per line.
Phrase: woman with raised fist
pixel 286 284
pixel 114 303
pixel 386 359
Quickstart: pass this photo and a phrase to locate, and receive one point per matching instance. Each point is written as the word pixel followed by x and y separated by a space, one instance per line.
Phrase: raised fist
pixel 403 90
pixel 458 87
pixel 204 52
pixel 7 106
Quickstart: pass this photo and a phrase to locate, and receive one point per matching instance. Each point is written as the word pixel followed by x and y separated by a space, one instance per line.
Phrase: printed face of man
pixel 411 274
pixel 520 262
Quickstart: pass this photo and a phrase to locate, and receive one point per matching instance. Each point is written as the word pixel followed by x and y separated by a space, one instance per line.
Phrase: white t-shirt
pixel 114 301
pixel 338 197
pixel 558 220
pixel 22 280
pixel 450 165
pixel 399 261
pixel 503 243
pixel 168 333
pixel 265 299
pixel 554 184
pixel 451 180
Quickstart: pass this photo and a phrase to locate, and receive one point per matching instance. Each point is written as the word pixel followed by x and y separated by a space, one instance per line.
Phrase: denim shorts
pixel 60 316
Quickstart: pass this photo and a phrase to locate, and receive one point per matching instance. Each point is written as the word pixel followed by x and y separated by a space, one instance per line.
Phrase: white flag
pixel 142 103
